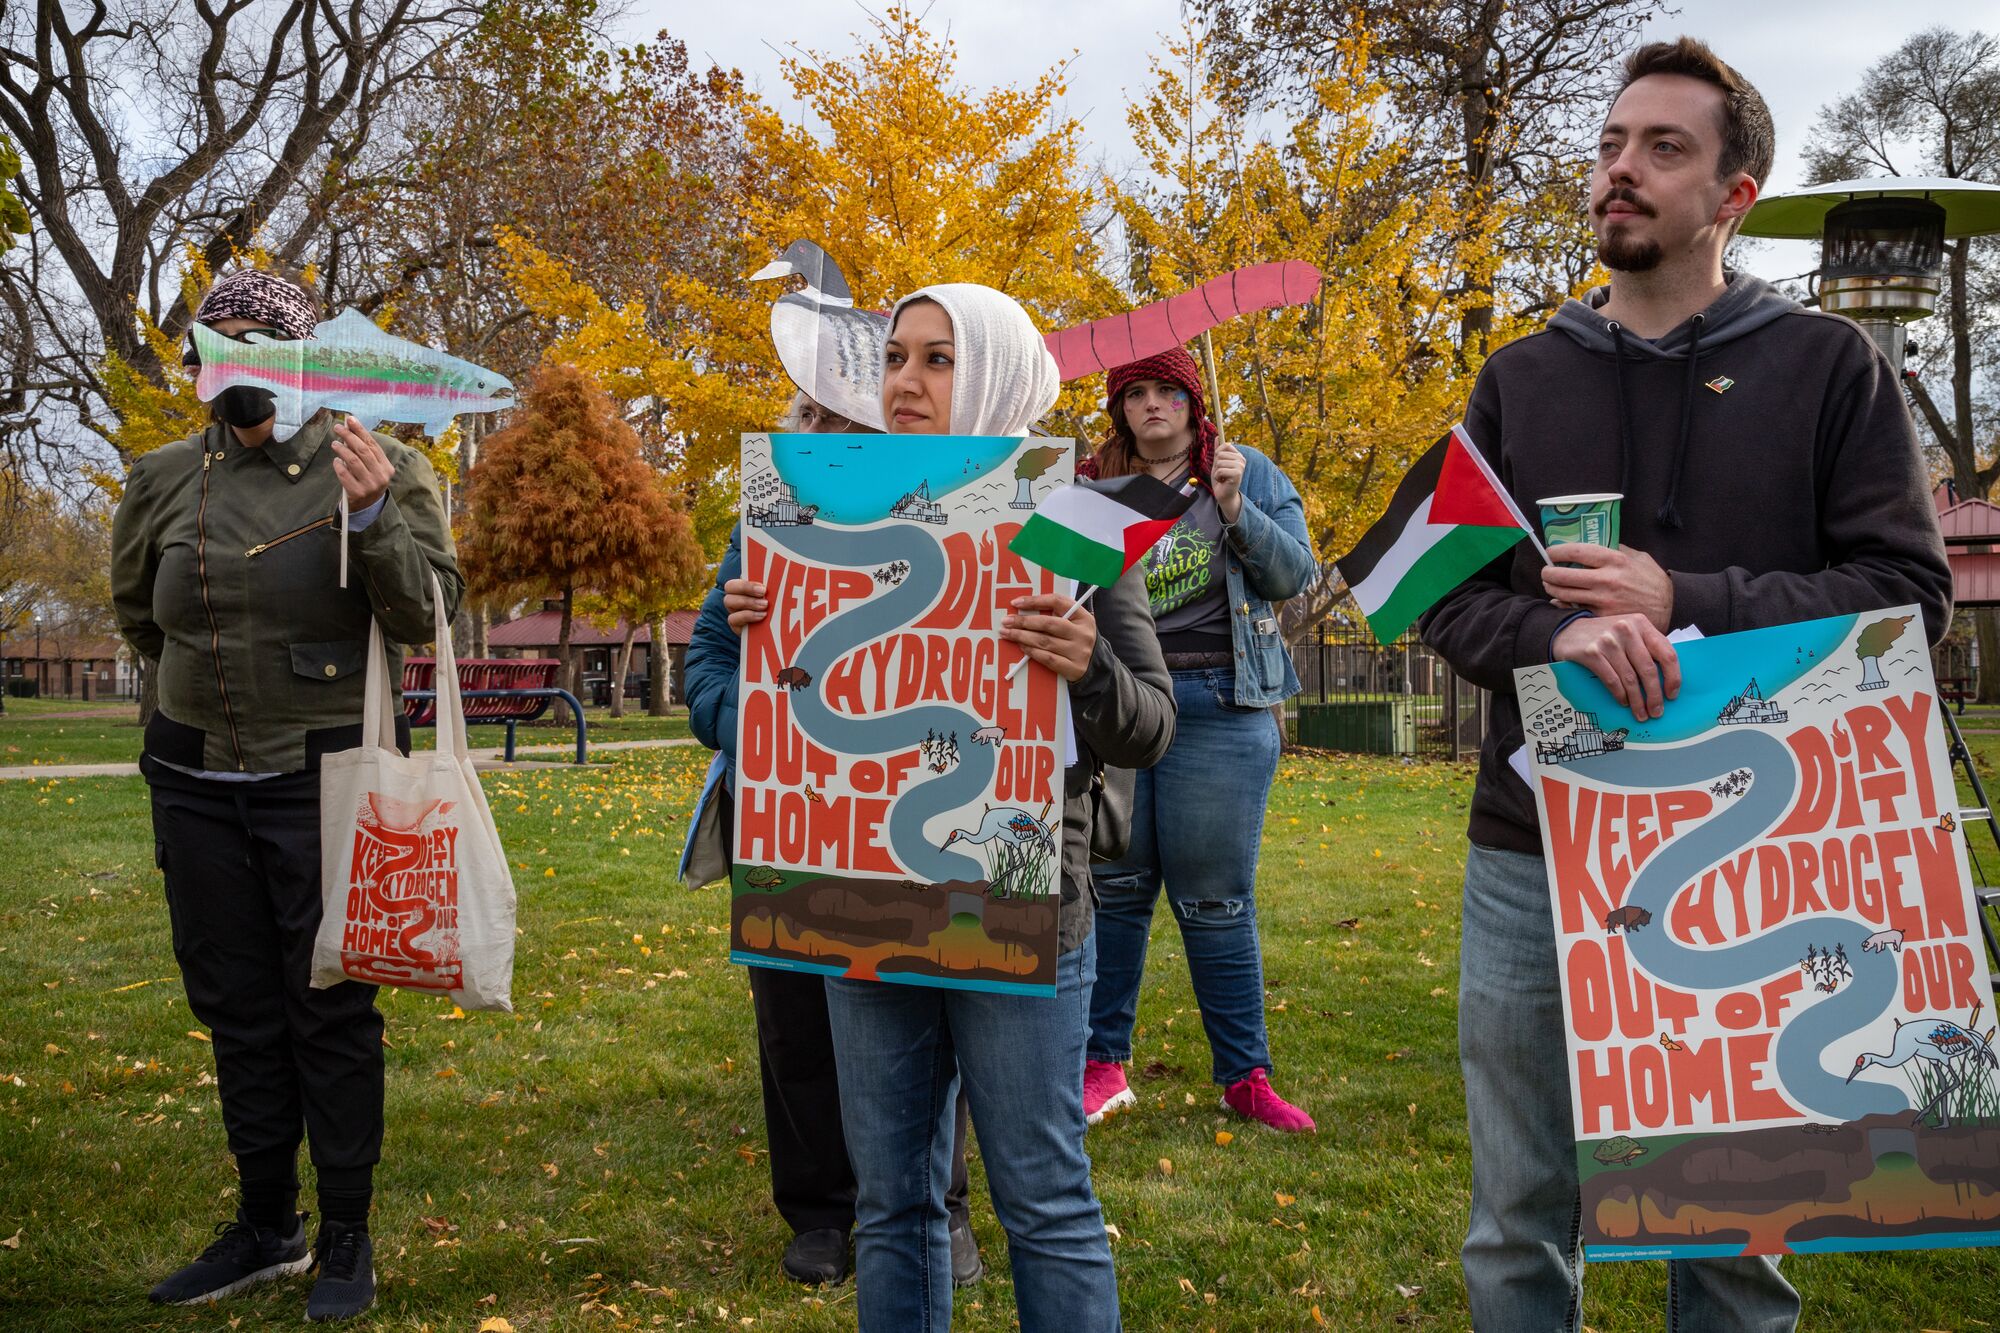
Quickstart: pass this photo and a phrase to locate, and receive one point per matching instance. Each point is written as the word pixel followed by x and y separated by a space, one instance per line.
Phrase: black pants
pixel 811 1180
pixel 243 892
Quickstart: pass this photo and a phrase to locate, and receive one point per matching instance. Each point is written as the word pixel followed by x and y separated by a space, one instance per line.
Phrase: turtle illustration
pixel 1619 1150
pixel 762 877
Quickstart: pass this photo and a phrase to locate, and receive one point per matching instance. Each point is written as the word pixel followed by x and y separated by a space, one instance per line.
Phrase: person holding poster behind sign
pixel 224 570
pixel 812 1181
pixel 1770 474
pixel 966 360
pixel 1198 816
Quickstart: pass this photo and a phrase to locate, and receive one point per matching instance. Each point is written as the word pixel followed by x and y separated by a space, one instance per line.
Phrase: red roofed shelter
pixel 538 633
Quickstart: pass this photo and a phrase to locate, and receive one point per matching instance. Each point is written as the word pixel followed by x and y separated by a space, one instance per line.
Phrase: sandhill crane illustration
pixel 1955 1053
pixel 1014 841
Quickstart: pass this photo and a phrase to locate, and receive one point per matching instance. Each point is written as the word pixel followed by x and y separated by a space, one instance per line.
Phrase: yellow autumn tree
pixel 906 177
pixel 1345 393
pixel 154 410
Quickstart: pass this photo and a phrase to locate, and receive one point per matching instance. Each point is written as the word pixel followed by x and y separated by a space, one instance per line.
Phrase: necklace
pixel 1161 462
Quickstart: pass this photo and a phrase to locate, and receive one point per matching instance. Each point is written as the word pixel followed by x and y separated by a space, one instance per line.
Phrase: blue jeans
pixel 902 1050
pixel 1523 1258
pixel 1197 823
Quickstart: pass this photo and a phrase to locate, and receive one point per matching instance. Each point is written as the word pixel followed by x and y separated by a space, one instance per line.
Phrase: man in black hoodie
pixel 1771 474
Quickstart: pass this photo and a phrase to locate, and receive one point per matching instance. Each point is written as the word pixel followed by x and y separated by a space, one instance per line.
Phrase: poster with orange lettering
pixel 898 789
pixel 1779 1017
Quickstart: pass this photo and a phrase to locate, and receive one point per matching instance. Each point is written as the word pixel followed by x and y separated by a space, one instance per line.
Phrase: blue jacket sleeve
pixel 1269 534
pixel 714 653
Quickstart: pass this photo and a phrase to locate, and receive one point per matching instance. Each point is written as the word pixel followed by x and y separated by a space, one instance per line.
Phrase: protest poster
pixel 898 791
pixel 1779 1018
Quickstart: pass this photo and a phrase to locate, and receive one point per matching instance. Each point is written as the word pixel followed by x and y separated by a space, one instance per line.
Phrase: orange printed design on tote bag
pixel 401 926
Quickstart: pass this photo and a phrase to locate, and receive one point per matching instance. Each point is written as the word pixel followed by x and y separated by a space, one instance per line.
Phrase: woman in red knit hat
pixel 1198 816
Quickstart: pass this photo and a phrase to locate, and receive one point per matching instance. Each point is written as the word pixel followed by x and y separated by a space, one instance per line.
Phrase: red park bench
pixel 510 691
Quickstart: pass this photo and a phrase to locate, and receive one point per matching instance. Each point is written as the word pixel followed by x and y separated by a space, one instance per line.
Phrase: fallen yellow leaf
pixel 12 1242
pixel 1166 1166
pixel 1223 1138
pixel 1319 1318
pixel 495 1324
pixel 1284 1200
pixel 199 1036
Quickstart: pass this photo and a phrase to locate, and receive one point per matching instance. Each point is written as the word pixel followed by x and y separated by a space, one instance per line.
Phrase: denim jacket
pixel 1270 559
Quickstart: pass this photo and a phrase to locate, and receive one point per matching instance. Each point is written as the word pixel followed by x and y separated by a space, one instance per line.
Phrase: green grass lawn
pixel 36 731
pixel 598 722
pixel 596 1160
pixel 48 731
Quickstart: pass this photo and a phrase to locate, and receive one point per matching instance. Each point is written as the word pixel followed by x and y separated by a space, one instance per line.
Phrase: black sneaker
pixel 241 1256
pixel 346 1283
pixel 817 1258
pixel 966 1265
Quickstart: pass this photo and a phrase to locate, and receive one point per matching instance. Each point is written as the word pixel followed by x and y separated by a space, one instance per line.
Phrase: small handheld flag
pixel 1094 531
pixel 1449 517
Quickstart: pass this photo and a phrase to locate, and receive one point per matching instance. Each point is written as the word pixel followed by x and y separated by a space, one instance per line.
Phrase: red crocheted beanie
pixel 1174 367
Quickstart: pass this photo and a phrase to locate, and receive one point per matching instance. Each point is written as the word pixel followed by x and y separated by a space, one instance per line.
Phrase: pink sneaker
pixel 1254 1098
pixel 1105 1092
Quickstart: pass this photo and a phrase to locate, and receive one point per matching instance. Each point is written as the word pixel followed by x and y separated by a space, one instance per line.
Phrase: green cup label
pixel 1580 518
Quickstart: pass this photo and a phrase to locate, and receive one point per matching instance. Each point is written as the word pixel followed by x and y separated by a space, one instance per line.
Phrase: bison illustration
pixel 1628 919
pixel 792 678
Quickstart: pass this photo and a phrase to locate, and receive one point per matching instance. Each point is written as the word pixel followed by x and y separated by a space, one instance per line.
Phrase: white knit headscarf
pixel 1003 378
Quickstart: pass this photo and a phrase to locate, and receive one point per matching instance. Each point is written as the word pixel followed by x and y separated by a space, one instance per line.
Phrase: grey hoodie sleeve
pixel 1483 628
pixel 1124 705
pixel 1875 516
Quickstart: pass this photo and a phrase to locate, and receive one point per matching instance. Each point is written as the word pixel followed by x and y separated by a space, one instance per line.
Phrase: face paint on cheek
pixel 1177 401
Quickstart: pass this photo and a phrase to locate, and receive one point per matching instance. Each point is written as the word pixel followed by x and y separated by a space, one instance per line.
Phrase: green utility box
pixel 1364 726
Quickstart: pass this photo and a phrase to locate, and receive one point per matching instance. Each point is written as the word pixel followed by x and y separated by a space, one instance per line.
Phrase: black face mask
pixel 244 406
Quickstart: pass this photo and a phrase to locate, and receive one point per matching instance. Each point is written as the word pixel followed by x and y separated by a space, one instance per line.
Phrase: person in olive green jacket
pixel 225 574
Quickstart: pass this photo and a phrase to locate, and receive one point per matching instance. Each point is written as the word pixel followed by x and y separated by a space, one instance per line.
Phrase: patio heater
pixel 1881 265
pixel 1881 243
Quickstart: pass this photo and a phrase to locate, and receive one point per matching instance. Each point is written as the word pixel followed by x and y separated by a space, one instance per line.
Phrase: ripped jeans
pixel 1197 822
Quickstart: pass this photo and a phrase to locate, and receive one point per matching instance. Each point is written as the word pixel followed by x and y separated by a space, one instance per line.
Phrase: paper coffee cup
pixel 1580 518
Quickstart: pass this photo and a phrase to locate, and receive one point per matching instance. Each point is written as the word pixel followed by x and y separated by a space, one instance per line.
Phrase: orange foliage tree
pixel 561 500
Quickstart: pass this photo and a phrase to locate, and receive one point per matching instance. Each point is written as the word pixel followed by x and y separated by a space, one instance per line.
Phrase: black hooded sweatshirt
pixel 1767 461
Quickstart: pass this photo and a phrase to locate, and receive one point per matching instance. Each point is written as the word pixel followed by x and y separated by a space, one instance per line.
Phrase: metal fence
pixel 1402 699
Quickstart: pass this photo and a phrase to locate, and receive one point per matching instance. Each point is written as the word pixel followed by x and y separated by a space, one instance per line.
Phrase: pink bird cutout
pixel 1163 325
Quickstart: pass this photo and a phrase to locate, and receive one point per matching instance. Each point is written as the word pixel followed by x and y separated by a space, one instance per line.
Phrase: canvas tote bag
pixel 414 883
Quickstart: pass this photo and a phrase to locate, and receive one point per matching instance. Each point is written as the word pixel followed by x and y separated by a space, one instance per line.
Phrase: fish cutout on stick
pixel 348 365
pixel 1179 320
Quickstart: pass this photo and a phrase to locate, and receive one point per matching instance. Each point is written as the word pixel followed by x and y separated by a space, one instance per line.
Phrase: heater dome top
pixel 1971 208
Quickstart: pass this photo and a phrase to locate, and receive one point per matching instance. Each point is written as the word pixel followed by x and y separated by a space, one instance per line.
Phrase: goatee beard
pixel 1624 255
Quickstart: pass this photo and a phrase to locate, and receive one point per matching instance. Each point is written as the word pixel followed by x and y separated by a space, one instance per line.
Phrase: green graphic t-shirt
pixel 1184 575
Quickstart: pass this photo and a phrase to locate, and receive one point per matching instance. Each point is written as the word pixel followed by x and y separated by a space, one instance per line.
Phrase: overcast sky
pixel 1800 53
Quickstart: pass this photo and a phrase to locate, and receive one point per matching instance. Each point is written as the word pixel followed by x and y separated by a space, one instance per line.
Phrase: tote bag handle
pixel 378 718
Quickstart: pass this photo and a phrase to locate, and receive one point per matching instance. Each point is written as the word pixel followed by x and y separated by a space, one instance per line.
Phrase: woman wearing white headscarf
pixel 964 359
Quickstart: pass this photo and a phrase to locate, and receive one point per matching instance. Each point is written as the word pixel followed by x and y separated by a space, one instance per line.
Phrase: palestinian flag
pixel 1093 531
pixel 1448 518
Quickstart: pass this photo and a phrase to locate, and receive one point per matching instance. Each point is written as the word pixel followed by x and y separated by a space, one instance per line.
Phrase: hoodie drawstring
pixel 1669 516
pixel 1624 417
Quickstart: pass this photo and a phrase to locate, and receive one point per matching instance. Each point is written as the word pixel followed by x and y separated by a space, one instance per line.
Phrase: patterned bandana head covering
pixel 251 293
pixel 1174 367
